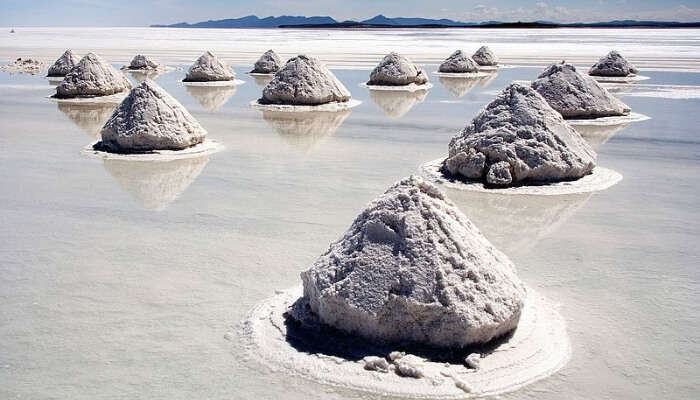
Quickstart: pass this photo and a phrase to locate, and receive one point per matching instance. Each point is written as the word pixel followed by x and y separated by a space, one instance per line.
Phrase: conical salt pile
pixel 612 64
pixel 268 63
pixel 485 57
pixel 396 70
pixel 459 63
pixel 208 68
pixel 64 64
pixel 92 76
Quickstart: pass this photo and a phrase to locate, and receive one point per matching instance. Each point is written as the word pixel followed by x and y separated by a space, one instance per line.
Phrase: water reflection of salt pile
pixel 88 117
pixel 155 184
pixel 486 80
pixel 458 86
pixel 596 135
pixel 516 223
pixel 261 80
pixel 211 98
pixel 143 75
pixel 396 104
pixel 304 130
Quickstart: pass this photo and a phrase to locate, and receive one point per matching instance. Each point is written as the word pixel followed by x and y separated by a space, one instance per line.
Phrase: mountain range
pixel 381 21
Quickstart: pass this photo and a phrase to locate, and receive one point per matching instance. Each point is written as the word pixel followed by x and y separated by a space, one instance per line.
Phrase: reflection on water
pixel 304 130
pixel 141 76
pixel 211 98
pixel 397 103
pixel 596 135
pixel 458 86
pixel 261 80
pixel 89 117
pixel 486 80
pixel 156 184
pixel 512 222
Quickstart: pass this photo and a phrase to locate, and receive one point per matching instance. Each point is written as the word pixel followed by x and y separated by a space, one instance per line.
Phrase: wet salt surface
pixel 127 280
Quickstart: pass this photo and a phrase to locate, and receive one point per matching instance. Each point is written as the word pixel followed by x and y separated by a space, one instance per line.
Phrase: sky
pixel 143 13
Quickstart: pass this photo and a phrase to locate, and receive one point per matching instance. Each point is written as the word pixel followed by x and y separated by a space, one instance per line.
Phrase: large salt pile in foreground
pixel 150 119
pixel 268 63
pixel 485 57
pixel 64 64
pixel 458 62
pixel 208 68
pixel 92 76
pixel 396 70
pixel 304 81
pixel 612 64
pixel 143 63
pixel 412 268
pixel 519 138
pixel 577 96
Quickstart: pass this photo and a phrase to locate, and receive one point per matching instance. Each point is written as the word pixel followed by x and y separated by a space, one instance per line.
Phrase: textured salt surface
pixel 623 119
pixel 209 146
pixel 599 179
pixel 462 74
pixel 321 107
pixel 405 88
pixel 232 82
pixel 537 349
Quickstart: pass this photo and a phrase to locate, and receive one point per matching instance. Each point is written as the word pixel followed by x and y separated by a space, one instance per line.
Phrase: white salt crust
pixel 160 70
pixel 260 74
pixel 234 82
pixel 205 148
pixel 617 120
pixel 111 99
pixel 461 74
pixel 54 79
pixel 599 179
pixel 619 79
pixel 490 67
pixel 335 106
pixel 405 88
pixel 538 348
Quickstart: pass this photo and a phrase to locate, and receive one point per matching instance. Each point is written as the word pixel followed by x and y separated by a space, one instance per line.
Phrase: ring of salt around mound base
pixel 538 348
pixel 619 79
pixel 234 82
pixel 404 88
pixel 205 148
pixel 461 74
pixel 111 99
pixel 261 74
pixel 599 179
pixel 148 71
pixel 604 121
pixel 54 79
pixel 331 107
pixel 489 67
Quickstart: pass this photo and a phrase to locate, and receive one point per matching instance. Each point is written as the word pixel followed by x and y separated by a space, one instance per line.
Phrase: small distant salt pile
pixel 396 70
pixel 150 119
pixel 23 66
pixel 577 96
pixel 143 63
pixel 64 64
pixel 612 64
pixel 458 62
pixel 485 57
pixel 208 68
pixel 519 138
pixel 268 63
pixel 90 77
pixel 413 268
pixel 304 81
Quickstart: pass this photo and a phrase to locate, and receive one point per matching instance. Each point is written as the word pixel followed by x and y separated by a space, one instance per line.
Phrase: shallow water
pixel 128 280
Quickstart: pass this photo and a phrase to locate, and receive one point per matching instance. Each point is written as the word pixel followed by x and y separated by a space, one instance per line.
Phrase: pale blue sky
pixel 143 13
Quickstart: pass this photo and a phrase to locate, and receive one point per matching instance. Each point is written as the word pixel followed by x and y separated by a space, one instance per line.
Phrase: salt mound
pixel 458 62
pixel 304 81
pixel 612 64
pixel 64 64
pixel 413 268
pixel 23 66
pixel 396 70
pixel 519 138
pixel 208 68
pixel 150 119
pixel 575 95
pixel 485 57
pixel 92 76
pixel 143 63
pixel 268 63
